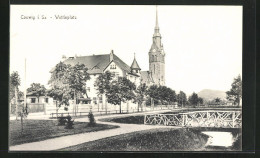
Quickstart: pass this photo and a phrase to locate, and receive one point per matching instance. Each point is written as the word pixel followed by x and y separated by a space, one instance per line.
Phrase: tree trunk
pixel 56 109
pixel 120 107
pixel 21 122
pixel 16 103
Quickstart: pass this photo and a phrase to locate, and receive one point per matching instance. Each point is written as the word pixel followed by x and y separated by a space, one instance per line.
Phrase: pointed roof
pixel 156 29
pixel 135 65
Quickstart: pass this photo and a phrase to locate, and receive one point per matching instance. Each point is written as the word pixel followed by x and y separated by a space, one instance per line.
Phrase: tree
pixel 235 93
pixel 15 82
pixel 163 94
pixel 141 95
pixel 217 100
pixel 37 89
pixel 67 82
pixel 200 100
pixel 103 83
pixel 182 98
pixel 120 90
pixel 152 92
pixel 193 99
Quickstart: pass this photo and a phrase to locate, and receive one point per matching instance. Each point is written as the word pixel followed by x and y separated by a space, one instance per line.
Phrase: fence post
pixel 183 120
pixel 233 119
pixel 44 105
pixel 145 119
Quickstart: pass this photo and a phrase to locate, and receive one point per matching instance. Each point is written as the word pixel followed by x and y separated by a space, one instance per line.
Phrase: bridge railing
pixel 224 119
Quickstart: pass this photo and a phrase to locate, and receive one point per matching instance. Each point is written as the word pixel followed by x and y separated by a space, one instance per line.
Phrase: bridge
pixel 223 119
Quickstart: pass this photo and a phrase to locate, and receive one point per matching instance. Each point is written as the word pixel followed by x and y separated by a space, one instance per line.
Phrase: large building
pixel 98 64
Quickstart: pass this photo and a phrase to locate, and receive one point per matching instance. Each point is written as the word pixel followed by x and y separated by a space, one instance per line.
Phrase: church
pixel 98 64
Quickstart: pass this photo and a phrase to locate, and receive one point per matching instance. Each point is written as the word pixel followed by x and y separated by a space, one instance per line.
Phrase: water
pixel 223 139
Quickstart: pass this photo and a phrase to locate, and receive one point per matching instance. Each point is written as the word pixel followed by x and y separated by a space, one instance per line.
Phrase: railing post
pixel 145 119
pixel 183 120
pixel 233 119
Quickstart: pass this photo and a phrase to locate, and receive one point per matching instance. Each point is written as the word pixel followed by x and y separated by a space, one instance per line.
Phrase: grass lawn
pixel 166 139
pixel 139 119
pixel 36 130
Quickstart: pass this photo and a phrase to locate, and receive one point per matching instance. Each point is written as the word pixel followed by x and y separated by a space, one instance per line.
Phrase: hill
pixel 210 94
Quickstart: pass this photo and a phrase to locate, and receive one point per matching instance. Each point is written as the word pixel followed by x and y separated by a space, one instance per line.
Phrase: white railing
pixel 225 119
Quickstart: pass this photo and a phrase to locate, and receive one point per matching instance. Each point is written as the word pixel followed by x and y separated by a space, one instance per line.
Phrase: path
pixel 71 140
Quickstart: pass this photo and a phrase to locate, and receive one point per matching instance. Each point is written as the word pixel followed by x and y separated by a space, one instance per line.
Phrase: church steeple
pixel 157 36
pixel 157 55
pixel 156 23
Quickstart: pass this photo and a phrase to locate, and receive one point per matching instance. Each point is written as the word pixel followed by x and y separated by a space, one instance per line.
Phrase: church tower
pixel 156 57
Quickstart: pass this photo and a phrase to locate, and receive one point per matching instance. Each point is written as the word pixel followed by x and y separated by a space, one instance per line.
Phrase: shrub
pixel 91 118
pixel 69 123
pixel 61 121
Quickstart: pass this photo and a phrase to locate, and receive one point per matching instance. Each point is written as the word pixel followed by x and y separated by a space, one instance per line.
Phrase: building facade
pixel 99 64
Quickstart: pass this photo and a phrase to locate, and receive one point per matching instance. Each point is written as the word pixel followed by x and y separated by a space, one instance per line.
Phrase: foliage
pixel 200 100
pixel 67 82
pixel 217 100
pixel 181 98
pixel 103 82
pixel 163 94
pixel 120 90
pixel 194 99
pixel 69 123
pixel 15 82
pixel 15 79
pixel 61 121
pixel 141 94
pixel 235 93
pixel 92 121
pixel 37 89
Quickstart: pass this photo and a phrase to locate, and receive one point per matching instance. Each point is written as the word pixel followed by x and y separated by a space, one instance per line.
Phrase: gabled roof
pixel 146 77
pixel 97 63
pixel 135 65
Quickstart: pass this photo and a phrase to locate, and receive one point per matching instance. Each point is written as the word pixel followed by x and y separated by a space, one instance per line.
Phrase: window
pixel 154 68
pixel 46 100
pixel 112 66
pixel 94 100
pixel 100 99
pixel 136 71
pixel 33 100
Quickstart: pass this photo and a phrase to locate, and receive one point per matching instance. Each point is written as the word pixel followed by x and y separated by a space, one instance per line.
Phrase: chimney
pixel 111 57
pixel 63 58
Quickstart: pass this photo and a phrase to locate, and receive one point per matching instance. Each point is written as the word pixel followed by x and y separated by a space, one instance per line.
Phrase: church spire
pixel 157 36
pixel 156 29
pixel 156 23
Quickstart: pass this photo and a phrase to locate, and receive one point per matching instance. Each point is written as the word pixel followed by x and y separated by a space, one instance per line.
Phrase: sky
pixel 203 44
